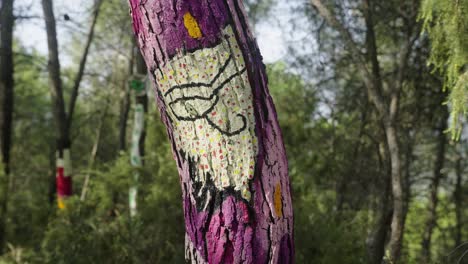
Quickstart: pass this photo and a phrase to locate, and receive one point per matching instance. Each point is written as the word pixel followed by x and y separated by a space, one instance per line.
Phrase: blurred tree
pixel 388 104
pixel 439 167
pixel 62 118
pixel 139 87
pixel 6 107
pixel 125 104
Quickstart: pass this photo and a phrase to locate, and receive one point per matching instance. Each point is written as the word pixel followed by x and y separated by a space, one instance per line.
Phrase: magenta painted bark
pixel 211 88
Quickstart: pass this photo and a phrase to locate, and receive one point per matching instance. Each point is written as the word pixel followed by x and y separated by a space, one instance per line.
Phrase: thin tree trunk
pixel 397 223
pixel 63 165
pixel 6 104
pixel 214 100
pixel 382 211
pixel 62 120
pixel 94 151
pixel 82 64
pixel 139 129
pixel 342 184
pixel 458 197
pixel 125 104
pixel 431 220
pixel 123 117
pixel 407 176
pixel 378 236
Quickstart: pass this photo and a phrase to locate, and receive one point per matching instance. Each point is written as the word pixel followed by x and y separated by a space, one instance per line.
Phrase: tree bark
pixel 62 120
pixel 213 98
pixel 431 220
pixel 6 104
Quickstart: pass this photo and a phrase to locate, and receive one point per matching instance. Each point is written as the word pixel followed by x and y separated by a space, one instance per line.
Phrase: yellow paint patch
pixel 278 202
pixel 60 203
pixel 192 26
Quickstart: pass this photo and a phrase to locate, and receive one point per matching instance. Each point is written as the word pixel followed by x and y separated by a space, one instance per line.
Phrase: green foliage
pixel 446 21
pixel 321 236
pixel 100 229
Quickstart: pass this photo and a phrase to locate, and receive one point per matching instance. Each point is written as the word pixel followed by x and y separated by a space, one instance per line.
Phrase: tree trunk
pixel 94 151
pixel 387 106
pixel 6 104
pixel 125 104
pixel 63 162
pixel 139 128
pixel 397 223
pixel 458 197
pixel 431 220
pixel 382 210
pixel 62 121
pixel 342 182
pixel 82 64
pixel 378 236
pixel 213 98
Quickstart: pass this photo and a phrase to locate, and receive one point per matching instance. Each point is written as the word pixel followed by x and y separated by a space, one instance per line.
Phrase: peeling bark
pixel 213 98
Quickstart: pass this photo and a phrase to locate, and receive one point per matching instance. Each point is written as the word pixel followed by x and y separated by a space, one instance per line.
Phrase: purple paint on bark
pixel 229 229
pixel 168 23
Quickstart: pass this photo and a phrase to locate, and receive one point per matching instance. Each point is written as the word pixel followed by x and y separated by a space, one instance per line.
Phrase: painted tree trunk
pixel 213 97
pixel 63 162
pixel 139 87
pixel 6 104
pixel 62 119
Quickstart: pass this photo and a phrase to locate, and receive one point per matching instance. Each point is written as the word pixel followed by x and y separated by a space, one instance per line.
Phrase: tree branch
pixel 80 73
pixel 402 65
pixel 358 57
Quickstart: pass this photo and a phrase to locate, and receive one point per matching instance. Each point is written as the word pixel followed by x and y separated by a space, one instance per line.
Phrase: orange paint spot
pixel 192 26
pixel 278 202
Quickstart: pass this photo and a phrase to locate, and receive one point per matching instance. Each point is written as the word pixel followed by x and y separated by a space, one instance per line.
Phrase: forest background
pixel 336 136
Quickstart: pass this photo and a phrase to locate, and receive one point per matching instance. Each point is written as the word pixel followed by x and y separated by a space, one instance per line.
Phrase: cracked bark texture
pixel 226 222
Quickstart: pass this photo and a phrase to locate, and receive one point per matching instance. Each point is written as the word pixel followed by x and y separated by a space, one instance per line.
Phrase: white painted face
pixel 209 98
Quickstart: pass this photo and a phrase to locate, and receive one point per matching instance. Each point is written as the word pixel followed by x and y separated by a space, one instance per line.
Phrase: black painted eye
pixel 194 101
